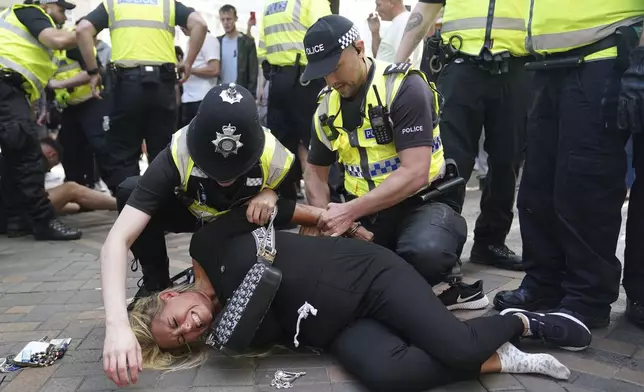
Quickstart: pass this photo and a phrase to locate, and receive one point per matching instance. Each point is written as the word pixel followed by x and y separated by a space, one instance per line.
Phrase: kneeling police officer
pixel 373 119
pixel 222 159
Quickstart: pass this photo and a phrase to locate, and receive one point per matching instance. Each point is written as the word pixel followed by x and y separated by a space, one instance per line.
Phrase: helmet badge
pixel 227 142
pixel 231 95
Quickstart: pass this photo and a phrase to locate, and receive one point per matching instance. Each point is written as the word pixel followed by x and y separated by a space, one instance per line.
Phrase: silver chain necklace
pixel 284 380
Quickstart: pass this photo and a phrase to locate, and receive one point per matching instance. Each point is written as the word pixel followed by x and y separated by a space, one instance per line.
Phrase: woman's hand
pixel 121 352
pixel 261 207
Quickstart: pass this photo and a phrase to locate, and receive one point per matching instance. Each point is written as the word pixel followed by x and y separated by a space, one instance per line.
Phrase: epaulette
pixel 324 91
pixel 397 68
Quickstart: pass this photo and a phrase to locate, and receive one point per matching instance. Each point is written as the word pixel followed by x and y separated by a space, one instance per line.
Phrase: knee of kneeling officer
pixel 124 190
pixel 431 258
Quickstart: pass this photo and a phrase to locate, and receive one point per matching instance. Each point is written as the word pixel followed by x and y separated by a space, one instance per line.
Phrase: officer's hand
pixel 261 207
pixel 630 113
pixel 43 119
pixel 95 83
pixel 337 219
pixel 53 84
pixel 374 22
pixel 121 353
pixel 187 70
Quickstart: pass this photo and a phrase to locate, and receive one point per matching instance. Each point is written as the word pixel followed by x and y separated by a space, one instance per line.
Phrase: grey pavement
pixel 53 289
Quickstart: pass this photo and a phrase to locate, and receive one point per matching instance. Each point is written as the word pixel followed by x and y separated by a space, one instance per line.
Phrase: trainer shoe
pixel 464 296
pixel 561 329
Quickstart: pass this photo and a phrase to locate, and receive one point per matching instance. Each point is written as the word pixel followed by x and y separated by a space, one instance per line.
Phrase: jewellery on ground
pixel 284 380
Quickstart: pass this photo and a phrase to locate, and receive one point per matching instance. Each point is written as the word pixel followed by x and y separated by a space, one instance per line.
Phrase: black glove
pixel 630 110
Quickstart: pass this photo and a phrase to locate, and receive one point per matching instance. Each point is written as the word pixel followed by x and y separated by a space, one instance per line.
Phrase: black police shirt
pixel 409 110
pixel 99 18
pixel 34 20
pixel 156 188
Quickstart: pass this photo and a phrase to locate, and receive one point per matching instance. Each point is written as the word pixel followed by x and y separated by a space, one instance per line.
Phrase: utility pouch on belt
pixel 236 325
pixel 627 38
pixel 451 180
pixel 150 74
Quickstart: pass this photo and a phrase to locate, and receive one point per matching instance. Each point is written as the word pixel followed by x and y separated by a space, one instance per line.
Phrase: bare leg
pixel 71 192
pixel 69 208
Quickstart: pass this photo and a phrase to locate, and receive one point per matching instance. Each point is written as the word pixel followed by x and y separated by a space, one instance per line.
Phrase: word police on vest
pixel 417 128
pixel 315 49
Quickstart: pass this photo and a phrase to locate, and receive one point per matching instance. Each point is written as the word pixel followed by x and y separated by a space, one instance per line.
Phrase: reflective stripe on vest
pixel 498 26
pixel 370 163
pixel 152 24
pixel 550 30
pixel 24 54
pixel 275 162
pixel 283 32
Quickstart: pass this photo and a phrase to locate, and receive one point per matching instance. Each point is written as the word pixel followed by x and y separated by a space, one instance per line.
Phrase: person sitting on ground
pixel 370 308
pixel 71 197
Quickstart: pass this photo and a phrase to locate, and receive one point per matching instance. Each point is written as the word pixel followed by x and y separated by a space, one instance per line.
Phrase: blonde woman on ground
pixel 373 311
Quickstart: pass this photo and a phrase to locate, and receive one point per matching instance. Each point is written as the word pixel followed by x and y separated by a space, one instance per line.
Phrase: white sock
pixel 514 360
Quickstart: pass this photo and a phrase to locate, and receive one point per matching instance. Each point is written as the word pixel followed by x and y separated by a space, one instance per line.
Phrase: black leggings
pixel 409 341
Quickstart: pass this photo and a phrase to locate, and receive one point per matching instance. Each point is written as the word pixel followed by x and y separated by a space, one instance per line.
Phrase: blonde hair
pixel 191 355
pixel 154 357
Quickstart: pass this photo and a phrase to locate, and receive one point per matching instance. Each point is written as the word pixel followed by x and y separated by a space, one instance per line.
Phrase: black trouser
pixel 428 236
pixel 290 112
pixel 188 112
pixel 150 248
pixel 408 341
pixel 498 103
pixel 23 181
pixel 572 189
pixel 634 253
pixel 142 109
pixel 83 138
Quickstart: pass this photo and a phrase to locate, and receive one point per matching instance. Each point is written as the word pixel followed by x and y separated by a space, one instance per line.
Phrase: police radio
pixel 380 121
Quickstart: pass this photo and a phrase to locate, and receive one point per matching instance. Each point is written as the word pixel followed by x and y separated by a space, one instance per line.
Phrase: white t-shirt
pixel 195 88
pixel 390 41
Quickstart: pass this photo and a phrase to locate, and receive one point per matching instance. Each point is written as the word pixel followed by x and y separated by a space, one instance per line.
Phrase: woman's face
pixel 184 318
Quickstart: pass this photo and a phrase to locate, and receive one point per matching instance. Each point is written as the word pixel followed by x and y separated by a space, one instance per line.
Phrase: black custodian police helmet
pixel 225 139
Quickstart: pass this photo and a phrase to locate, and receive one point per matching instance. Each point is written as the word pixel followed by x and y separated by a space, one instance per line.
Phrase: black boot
pixel 522 298
pixel 635 312
pixel 55 230
pixel 499 256
pixel 155 279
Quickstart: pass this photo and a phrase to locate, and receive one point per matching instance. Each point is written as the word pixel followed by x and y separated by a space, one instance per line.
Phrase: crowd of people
pixel 368 154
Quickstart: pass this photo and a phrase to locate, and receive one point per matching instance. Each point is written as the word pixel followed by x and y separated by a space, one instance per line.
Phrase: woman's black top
pixel 331 274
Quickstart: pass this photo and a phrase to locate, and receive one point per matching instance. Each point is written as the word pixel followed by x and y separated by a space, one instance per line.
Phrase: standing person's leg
pixel 24 165
pixel 590 190
pixel 634 252
pixel 127 127
pixel 160 113
pixel 543 255
pixel 461 120
pixel 383 361
pixel 95 123
pixel 188 112
pixel 72 141
pixel 505 122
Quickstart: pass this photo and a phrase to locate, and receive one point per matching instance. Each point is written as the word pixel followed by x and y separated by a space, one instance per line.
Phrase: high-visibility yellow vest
pixel 470 19
pixel 381 160
pixel 284 24
pixel 68 68
pixel 22 52
pixel 275 163
pixel 141 31
pixel 559 26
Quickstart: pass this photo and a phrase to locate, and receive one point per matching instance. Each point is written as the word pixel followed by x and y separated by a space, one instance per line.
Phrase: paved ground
pixel 51 289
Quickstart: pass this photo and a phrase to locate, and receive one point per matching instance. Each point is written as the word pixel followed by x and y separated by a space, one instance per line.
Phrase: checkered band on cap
pixel 349 37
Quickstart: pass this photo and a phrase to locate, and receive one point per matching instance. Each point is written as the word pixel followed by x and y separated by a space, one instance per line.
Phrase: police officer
pixel 84 120
pixel 630 118
pixel 281 53
pixel 144 63
pixel 386 166
pixel 572 189
pixel 28 36
pixel 485 51
pixel 222 159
